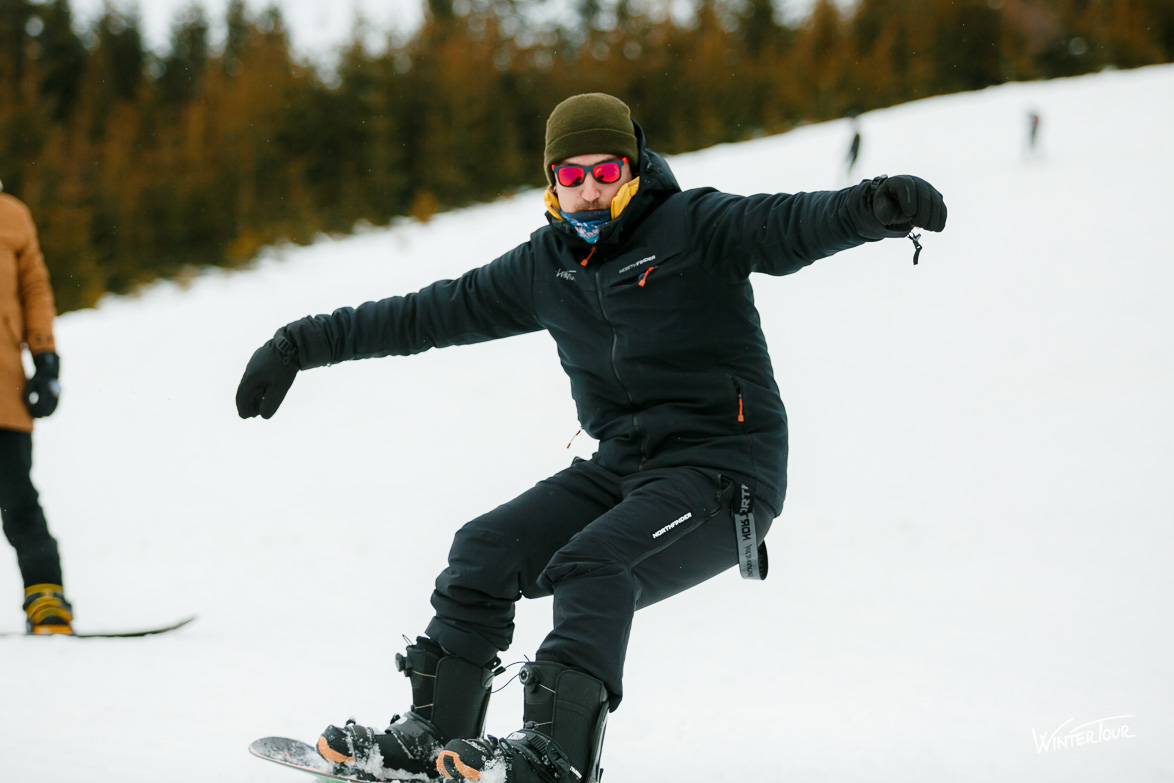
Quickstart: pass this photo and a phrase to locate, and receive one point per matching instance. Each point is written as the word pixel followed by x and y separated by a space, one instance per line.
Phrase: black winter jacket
pixel 657 330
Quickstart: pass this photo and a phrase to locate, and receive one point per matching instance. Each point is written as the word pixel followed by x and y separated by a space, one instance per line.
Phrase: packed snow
pixel 970 581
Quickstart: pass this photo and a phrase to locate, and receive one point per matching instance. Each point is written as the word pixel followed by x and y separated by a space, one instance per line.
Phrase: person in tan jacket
pixel 26 321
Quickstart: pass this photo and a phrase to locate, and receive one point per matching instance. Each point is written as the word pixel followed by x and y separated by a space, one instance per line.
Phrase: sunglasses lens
pixel 608 172
pixel 569 176
pixel 605 173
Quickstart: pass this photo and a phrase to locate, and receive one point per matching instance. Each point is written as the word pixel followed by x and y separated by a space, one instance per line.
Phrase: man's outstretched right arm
pixel 486 303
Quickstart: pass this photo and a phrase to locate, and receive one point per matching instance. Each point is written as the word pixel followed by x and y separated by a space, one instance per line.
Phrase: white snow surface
pixel 974 559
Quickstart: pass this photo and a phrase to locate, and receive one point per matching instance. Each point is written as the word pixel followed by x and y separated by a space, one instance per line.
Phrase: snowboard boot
pixel 449 699
pixel 561 738
pixel 47 611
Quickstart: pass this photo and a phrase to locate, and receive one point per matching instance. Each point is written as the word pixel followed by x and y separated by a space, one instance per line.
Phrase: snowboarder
pixel 854 146
pixel 26 320
pixel 1033 123
pixel 646 291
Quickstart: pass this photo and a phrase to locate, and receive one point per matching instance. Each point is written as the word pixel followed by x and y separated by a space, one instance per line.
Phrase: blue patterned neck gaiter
pixel 588 224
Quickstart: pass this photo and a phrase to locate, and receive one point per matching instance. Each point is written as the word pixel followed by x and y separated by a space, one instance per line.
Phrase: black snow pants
pixel 20 508
pixel 603 545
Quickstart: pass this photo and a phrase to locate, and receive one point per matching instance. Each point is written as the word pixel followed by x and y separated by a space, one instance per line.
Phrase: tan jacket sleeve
pixel 36 294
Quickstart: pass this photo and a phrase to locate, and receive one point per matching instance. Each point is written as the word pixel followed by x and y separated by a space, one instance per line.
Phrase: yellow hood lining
pixel 618 204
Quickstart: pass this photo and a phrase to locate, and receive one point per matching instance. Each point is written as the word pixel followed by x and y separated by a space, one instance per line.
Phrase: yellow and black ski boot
pixel 47 610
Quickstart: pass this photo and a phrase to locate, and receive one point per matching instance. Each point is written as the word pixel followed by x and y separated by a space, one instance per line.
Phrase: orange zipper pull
pixel 741 418
pixel 588 258
pixel 644 277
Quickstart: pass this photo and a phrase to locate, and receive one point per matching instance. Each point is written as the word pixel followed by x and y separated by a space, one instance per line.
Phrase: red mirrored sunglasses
pixel 606 173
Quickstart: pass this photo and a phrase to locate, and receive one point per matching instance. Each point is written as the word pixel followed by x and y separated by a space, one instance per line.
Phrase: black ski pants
pixel 20 507
pixel 603 545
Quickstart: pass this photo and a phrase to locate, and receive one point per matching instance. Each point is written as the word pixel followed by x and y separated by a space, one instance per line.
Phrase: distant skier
pixel 26 314
pixel 1033 123
pixel 854 147
pixel 646 291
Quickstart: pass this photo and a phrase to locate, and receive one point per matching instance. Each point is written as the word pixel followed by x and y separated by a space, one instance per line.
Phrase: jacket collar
pixel 618 204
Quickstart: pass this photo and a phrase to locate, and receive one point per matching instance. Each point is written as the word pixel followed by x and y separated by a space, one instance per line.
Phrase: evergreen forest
pixel 141 164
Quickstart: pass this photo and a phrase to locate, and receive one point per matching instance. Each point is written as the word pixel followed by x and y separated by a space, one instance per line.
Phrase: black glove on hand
pixel 267 378
pixel 908 199
pixel 43 390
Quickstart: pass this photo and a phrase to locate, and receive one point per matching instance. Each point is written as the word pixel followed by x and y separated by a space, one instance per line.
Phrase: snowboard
pixel 111 634
pixel 298 755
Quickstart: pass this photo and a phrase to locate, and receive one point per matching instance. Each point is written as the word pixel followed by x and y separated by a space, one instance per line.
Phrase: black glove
pixel 43 390
pixel 909 200
pixel 268 377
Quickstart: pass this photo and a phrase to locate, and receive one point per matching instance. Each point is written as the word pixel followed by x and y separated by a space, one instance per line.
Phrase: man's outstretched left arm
pixel 781 233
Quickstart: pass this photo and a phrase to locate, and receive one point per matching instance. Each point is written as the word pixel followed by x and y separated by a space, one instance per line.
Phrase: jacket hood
pixel 656 183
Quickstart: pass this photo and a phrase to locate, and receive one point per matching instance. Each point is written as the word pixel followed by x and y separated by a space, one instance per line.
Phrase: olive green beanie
pixel 587 124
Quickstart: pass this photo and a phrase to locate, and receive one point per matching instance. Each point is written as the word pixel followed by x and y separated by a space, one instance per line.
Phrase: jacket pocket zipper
pixel 741 409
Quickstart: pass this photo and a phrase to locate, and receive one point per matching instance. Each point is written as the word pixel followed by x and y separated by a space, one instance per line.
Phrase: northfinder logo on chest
pixel 641 262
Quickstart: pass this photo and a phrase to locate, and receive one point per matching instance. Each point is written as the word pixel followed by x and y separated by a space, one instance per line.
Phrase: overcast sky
pixel 316 26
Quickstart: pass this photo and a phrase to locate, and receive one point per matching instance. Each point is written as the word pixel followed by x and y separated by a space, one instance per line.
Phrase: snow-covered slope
pixel 976 546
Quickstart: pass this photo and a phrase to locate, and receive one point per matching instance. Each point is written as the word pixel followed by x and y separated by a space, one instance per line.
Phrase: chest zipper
pixel 644 277
pixel 615 338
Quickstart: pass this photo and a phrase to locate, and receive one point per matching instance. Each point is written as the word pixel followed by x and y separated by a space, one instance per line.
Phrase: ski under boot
pixel 449 699
pixel 47 611
pixel 561 738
